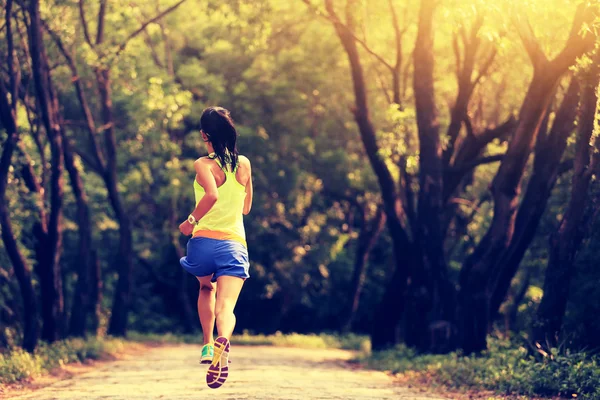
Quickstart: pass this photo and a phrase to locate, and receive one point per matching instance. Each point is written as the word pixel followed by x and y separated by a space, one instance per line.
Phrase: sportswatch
pixel 192 220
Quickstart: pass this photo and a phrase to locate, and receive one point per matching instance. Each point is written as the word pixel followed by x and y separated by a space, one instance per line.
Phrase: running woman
pixel 217 252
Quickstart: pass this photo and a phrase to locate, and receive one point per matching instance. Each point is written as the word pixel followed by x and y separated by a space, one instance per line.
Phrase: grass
pixel 312 341
pixel 505 369
pixel 17 365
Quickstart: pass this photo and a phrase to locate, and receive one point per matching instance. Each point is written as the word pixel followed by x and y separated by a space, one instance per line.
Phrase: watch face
pixel 191 220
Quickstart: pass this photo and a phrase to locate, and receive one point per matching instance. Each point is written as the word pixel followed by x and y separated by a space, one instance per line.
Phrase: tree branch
pixel 398 35
pixel 34 185
pixel 486 66
pixel 85 108
pixel 499 132
pixel 88 160
pixel 84 24
pixel 101 14
pixel 334 19
pixel 398 64
pixel 383 87
pixel 14 76
pixel 532 45
pixel 456 48
pixel 153 52
pixel 565 166
pixel 123 45
pixel 469 127
pixel 477 162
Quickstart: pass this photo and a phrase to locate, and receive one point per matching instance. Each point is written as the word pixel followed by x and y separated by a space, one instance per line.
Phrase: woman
pixel 217 251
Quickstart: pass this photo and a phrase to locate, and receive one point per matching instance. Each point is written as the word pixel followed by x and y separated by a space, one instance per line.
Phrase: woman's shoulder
pixel 243 160
pixel 204 160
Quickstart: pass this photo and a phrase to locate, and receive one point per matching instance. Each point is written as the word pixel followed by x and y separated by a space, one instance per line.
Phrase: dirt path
pixel 265 373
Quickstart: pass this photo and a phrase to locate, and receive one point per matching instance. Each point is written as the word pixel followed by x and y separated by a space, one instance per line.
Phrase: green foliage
pixel 505 368
pixel 17 364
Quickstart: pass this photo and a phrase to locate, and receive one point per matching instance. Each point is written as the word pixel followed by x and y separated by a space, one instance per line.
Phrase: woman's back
pixel 225 219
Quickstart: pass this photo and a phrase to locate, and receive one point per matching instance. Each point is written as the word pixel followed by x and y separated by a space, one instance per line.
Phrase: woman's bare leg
pixel 206 307
pixel 228 291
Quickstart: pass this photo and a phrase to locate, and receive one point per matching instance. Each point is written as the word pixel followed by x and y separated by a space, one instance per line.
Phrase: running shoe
pixel 207 353
pixel 218 371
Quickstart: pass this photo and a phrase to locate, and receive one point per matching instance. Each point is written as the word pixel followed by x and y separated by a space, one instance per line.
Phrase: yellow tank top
pixel 225 220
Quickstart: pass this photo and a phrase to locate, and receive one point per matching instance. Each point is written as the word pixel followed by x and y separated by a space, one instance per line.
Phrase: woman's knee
pixel 207 287
pixel 205 284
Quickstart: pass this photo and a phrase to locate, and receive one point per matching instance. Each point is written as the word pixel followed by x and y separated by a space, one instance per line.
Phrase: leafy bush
pixel 17 364
pixel 505 368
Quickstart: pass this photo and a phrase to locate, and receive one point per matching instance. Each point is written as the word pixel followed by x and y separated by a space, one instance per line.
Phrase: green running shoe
pixel 208 351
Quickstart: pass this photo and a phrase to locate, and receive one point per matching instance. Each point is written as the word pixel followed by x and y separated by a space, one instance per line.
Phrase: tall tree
pixel 580 213
pixel 385 323
pixel 49 235
pixel 86 297
pixel 480 268
pixel 417 235
pixel 8 112
pixel 429 277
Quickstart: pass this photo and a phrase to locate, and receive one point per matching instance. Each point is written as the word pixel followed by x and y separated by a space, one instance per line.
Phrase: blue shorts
pixel 216 257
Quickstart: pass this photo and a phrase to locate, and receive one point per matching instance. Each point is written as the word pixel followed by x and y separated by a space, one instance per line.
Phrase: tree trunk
pixel 475 294
pixel 429 280
pixel 82 299
pixel 548 154
pixel 510 316
pixel 565 242
pixel 95 294
pixel 366 240
pixel 385 331
pixel 122 295
pixel 50 248
pixel 22 270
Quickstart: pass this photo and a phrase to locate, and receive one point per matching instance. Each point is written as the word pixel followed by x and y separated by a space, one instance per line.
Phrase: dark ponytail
pixel 218 127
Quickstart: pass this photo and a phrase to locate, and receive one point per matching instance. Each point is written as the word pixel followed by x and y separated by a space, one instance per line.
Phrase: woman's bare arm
pixel 249 188
pixel 205 178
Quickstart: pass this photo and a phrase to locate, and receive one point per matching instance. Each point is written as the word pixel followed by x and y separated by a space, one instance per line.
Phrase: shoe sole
pixel 217 373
